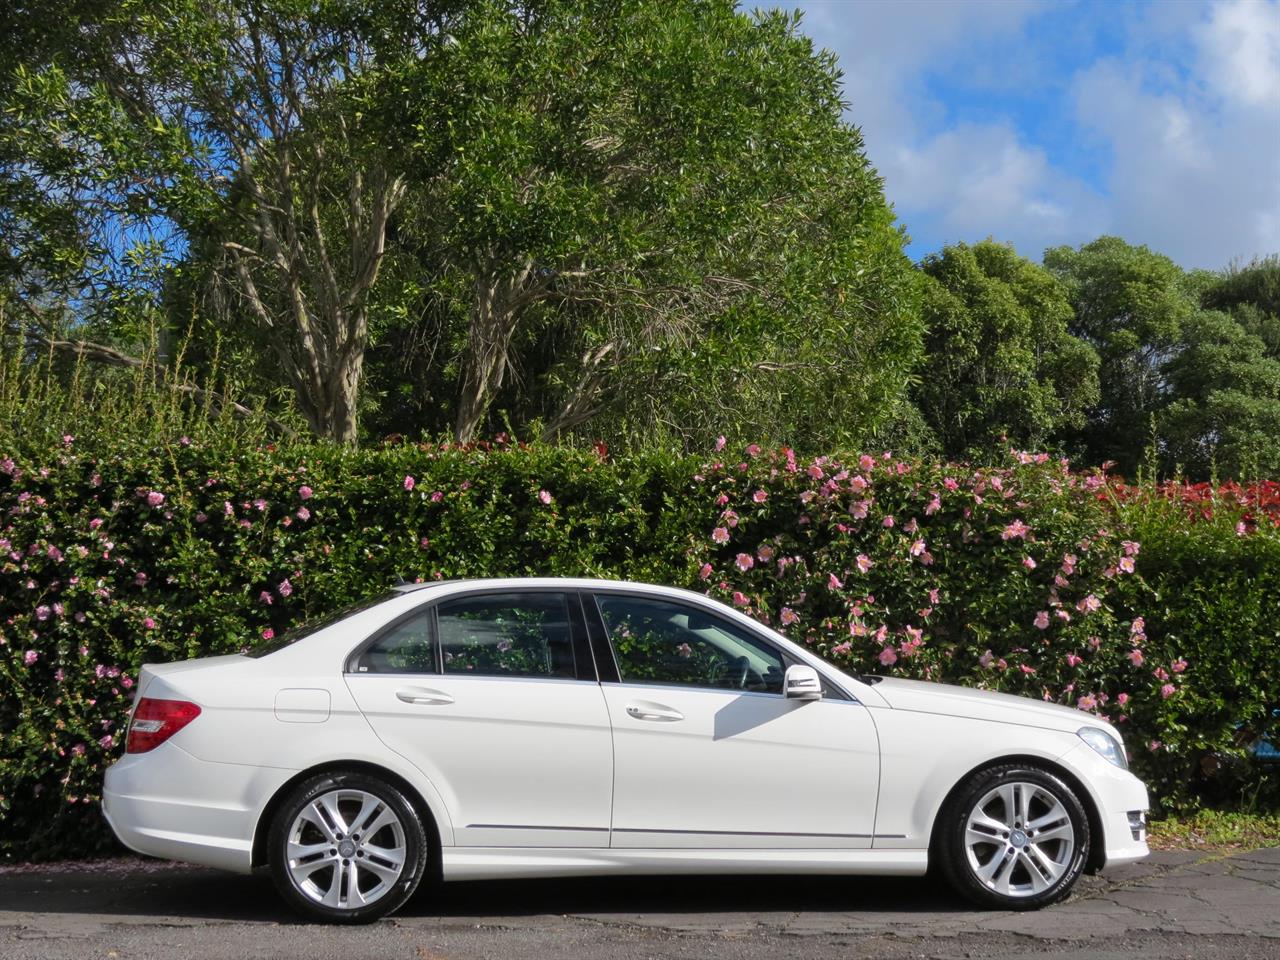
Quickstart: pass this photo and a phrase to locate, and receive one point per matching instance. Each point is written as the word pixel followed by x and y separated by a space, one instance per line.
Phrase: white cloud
pixel 1184 126
pixel 1195 163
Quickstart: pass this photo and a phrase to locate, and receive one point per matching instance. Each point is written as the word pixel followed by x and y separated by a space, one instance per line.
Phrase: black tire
pixel 1014 870
pixel 354 878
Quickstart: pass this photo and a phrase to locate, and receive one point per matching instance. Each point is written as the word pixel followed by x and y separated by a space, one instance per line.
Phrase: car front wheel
pixel 347 848
pixel 1016 837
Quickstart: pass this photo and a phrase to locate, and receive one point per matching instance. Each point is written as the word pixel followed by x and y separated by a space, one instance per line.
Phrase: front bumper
pixel 1120 800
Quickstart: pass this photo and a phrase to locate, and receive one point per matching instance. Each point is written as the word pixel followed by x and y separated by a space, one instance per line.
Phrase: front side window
pixel 515 634
pixel 658 641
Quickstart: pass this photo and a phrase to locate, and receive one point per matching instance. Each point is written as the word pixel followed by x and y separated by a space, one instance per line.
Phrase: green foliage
pixel 125 547
pixel 1000 366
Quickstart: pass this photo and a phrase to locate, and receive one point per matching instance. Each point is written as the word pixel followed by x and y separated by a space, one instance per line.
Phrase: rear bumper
pixel 169 804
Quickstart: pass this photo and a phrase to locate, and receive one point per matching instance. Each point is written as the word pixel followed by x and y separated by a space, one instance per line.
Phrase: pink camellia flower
pixel 744 562
pixel 1089 604
pixel 1015 529
pixel 259 504
pixel 917 548
pixel 1042 620
pixel 1135 657
pixel 933 506
pixel 544 497
pixel 888 521
pixel 1160 673
pixel 1168 690
pixel 789 617
pixel 268 634
pixel 834 582
pixel 303 514
pixel 436 496
pixel 30 657
pixel 305 492
pixel 1063 616
pixel 720 535
pixel 107 742
pixel 409 482
pixel 78 750
pixel 1125 565
pixel 888 656
pixel 1074 660
pixel 858 509
pixel 1028 563
pixel 764 553
pixel 986 660
pixel 155 498
pixel 1130 547
pixel 760 496
pixel 285 588
pixel 815 472
pixel 1122 699
pixel 1087 702
pixel 1027 669
pixel 42 612
pixel 841 649
pixel 95 523
pixel 705 572
pixel 864 563
pixel 720 442
pixel 149 623
pixel 266 597
pixel 740 599
pixel 1178 666
pixel 753 450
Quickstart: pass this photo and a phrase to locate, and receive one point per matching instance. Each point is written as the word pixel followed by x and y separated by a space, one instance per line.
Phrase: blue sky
pixel 1044 122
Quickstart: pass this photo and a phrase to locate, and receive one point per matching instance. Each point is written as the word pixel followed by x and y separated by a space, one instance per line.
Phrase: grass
pixel 1216 830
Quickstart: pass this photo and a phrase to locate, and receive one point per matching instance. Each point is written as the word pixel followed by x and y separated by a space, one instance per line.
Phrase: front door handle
pixel 424 696
pixel 644 710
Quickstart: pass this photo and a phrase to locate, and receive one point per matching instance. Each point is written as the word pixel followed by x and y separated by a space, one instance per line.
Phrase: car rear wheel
pixel 1016 837
pixel 347 848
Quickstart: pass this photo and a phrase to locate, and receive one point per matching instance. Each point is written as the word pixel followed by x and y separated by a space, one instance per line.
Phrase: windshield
pixel 306 629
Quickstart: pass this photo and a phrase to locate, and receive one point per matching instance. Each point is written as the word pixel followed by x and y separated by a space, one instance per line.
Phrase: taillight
pixel 155 721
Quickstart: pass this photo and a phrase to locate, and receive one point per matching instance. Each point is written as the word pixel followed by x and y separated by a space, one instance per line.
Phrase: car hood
pixel 951 701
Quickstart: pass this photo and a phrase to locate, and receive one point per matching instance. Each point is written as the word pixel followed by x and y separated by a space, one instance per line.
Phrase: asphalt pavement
pixel 1175 904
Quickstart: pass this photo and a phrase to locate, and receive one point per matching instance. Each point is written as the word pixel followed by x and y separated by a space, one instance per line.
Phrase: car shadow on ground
pixel 193 893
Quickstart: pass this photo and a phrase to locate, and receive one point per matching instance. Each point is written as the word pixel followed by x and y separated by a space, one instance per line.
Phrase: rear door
pixel 494 697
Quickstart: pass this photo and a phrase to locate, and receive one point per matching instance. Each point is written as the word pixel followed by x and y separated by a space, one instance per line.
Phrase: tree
pixel 646 217
pixel 1000 366
pixel 1224 382
pixel 1130 305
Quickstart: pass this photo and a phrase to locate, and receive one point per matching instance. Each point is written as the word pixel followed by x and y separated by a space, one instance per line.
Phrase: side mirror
pixel 801 682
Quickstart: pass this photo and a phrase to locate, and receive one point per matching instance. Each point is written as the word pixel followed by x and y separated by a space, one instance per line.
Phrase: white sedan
pixel 548 728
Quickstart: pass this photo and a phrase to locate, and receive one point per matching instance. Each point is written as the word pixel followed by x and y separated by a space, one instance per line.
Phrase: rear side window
pixel 515 634
pixel 496 635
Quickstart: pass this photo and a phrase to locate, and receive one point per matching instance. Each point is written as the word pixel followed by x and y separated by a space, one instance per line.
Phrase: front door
pixel 707 751
pixel 482 693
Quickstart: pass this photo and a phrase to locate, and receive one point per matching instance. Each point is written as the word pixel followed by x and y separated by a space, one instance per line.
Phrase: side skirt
pixel 496 863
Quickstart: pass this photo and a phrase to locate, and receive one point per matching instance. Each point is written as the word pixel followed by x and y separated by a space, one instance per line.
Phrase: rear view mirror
pixel 801 682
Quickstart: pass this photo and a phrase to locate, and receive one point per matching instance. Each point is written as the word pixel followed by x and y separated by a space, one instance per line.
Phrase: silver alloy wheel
pixel 346 849
pixel 1019 839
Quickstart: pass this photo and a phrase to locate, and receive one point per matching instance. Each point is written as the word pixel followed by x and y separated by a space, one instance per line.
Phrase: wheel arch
pixel 1097 844
pixel 431 828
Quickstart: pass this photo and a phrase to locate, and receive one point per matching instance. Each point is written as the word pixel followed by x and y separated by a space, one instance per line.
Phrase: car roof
pixel 563 583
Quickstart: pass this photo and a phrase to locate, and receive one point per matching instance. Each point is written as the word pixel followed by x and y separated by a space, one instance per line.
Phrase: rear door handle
pixel 424 696
pixel 653 711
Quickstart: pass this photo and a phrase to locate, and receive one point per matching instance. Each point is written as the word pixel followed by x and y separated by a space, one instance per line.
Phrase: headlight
pixel 1105 744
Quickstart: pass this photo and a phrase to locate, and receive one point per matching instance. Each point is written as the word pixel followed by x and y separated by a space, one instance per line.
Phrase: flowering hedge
pixel 1027 578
